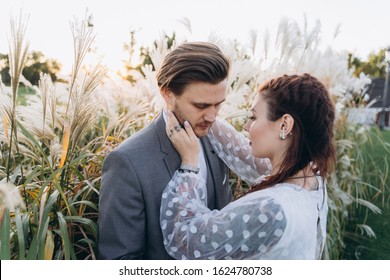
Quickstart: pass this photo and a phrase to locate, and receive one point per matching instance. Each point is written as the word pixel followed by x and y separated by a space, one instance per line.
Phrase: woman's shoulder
pixel 317 185
pixel 281 192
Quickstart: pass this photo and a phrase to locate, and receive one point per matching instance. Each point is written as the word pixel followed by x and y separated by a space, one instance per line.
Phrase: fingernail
pixel 186 123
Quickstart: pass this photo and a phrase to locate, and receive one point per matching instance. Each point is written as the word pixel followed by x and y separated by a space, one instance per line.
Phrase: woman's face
pixel 263 133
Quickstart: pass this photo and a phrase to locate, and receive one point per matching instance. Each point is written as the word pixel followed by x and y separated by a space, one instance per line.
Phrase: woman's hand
pixel 184 140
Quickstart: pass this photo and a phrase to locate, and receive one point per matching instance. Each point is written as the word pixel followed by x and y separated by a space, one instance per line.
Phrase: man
pixel 193 82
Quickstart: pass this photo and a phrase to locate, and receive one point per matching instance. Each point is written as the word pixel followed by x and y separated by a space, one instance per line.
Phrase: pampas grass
pixel 18 48
pixel 54 147
pixel 48 154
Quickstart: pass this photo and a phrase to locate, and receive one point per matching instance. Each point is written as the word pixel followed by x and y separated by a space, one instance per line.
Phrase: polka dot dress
pixel 277 223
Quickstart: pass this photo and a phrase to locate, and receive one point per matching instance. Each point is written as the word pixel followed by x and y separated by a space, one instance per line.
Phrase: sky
pixel 364 24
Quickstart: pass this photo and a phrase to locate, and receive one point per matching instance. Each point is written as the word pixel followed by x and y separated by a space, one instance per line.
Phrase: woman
pixel 283 215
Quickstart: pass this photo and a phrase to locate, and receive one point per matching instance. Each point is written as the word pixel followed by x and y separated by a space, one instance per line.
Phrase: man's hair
pixel 309 103
pixel 190 63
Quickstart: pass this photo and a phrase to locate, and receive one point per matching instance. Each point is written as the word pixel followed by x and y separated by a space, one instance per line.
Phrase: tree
pixel 375 66
pixel 36 63
pixel 145 58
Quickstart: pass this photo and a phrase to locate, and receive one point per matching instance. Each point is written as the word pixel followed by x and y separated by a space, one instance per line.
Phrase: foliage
pixel 358 245
pixel 352 188
pixel 48 160
pixel 132 72
pixel 375 66
pixel 52 148
pixel 35 65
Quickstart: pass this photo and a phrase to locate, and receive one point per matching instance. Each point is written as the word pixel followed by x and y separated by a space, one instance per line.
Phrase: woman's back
pixel 303 237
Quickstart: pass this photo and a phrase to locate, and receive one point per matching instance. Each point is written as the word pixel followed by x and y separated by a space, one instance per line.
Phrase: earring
pixel 283 136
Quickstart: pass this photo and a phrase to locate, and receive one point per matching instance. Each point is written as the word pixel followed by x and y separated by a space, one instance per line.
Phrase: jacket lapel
pixel 172 158
pixel 216 170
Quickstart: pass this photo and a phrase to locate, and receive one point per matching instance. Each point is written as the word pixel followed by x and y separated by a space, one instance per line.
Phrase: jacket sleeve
pixel 121 210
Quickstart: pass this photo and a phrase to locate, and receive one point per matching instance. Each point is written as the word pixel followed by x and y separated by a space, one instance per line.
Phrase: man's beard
pixel 181 118
pixel 178 114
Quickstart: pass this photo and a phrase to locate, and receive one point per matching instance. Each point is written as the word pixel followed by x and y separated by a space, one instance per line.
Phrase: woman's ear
pixel 286 126
pixel 169 97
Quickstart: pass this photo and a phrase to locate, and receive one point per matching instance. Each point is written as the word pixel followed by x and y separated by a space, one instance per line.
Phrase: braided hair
pixel 308 102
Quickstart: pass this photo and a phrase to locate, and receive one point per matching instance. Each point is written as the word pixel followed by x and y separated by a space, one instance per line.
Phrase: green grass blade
pixel 42 231
pixel 64 234
pixel 5 250
pixel 87 222
pixel 38 242
pixel 87 203
pixel 21 235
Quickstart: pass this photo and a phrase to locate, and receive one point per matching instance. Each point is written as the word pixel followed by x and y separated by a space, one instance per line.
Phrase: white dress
pixel 282 222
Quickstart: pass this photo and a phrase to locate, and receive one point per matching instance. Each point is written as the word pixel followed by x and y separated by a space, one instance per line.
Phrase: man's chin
pixel 201 132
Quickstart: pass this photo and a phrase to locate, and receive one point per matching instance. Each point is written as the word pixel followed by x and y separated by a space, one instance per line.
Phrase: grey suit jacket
pixel 134 177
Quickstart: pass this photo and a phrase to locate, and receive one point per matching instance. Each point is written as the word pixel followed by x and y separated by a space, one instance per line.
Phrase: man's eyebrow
pixel 207 104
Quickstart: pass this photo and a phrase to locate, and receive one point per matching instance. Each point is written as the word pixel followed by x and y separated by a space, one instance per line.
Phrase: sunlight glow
pixel 362 23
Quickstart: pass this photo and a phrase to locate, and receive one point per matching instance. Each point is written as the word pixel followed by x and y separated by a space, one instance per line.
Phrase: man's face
pixel 199 104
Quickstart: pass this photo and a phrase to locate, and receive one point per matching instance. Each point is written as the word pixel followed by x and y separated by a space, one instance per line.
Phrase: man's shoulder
pixel 146 138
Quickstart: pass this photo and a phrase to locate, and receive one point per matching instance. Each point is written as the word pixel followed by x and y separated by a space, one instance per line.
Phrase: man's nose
pixel 211 114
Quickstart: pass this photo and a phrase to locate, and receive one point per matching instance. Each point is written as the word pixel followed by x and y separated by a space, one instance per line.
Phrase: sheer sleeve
pixel 234 149
pixel 243 229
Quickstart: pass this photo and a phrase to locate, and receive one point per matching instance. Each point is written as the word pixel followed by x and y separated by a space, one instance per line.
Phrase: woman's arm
pixel 244 229
pixel 234 149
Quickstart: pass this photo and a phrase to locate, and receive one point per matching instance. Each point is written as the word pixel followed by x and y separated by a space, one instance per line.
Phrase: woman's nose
pixel 246 126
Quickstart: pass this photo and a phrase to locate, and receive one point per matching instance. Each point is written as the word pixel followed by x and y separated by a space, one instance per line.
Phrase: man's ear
pixel 169 97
